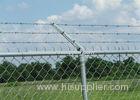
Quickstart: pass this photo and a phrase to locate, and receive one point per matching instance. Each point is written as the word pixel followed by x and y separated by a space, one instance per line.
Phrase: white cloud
pixel 124 19
pixel 81 12
pixel 78 12
pixel 106 4
pixel 40 21
pixel 101 12
pixel 137 3
pixel 54 18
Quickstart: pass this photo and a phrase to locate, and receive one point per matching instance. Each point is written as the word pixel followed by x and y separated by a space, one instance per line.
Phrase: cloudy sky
pixel 68 11
pixel 31 10
pixel 94 11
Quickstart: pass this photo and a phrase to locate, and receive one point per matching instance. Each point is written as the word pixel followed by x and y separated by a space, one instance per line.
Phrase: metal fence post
pixel 83 76
pixel 82 58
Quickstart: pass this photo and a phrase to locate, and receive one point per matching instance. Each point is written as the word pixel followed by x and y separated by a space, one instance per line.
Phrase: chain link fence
pixel 89 62
pixel 58 77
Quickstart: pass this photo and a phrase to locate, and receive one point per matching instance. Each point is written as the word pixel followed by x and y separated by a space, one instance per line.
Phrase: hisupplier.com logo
pixel 77 87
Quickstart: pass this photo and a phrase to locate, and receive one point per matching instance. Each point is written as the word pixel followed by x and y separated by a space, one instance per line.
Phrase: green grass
pixel 28 91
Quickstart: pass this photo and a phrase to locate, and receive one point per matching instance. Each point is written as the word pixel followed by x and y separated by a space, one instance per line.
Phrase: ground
pixel 29 91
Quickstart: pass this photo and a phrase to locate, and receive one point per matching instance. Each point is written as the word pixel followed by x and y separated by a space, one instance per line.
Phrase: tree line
pixel 69 67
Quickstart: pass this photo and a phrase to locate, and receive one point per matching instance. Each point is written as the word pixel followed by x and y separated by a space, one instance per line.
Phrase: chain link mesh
pixel 57 77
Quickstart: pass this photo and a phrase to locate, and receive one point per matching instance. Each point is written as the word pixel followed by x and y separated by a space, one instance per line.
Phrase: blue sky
pixel 80 11
pixel 30 10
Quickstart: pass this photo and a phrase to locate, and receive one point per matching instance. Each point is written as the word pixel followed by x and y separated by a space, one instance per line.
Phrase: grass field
pixel 29 91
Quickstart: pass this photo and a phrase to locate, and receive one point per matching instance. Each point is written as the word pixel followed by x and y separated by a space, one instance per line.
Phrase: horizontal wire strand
pixel 22 23
pixel 77 25
pixel 97 25
pixel 1 32
pixel 68 42
pixel 84 33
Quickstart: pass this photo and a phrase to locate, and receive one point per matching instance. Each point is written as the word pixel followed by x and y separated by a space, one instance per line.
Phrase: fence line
pixel 69 64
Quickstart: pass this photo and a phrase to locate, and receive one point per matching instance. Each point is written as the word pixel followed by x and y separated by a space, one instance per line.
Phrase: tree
pixel 97 67
pixel 68 67
pixel 35 71
pixel 8 72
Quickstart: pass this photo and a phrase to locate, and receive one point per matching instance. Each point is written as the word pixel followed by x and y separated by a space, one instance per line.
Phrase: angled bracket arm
pixel 73 42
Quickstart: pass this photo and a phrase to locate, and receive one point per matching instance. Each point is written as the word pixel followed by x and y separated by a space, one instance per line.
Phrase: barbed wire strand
pixel 84 33
pixel 1 32
pixel 22 23
pixel 97 25
pixel 68 42
pixel 77 25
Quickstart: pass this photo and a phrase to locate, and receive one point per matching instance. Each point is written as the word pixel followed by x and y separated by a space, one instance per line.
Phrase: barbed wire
pixel 98 25
pixel 84 33
pixel 28 32
pixel 105 33
pixel 22 23
pixel 77 25
pixel 29 42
